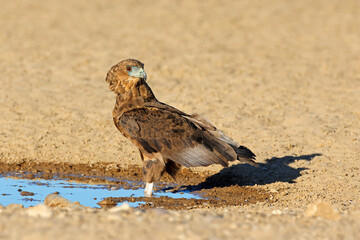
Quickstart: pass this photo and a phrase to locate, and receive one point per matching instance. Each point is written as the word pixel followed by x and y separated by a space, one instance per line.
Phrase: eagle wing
pixel 159 128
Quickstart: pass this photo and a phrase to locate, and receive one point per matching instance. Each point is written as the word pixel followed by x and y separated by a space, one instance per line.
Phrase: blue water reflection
pixel 86 194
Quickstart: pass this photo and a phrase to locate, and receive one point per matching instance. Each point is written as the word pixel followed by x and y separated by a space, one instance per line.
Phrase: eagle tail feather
pixel 246 155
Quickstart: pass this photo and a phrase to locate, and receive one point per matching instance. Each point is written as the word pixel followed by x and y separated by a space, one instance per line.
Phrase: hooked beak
pixel 142 73
pixel 137 72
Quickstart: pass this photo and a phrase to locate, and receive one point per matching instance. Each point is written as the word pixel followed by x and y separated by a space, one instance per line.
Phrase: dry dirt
pixel 281 77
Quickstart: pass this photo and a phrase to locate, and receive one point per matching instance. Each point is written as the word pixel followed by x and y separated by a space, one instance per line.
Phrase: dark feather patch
pixel 146 146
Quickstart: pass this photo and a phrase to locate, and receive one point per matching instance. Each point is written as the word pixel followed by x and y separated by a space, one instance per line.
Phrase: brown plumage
pixel 166 137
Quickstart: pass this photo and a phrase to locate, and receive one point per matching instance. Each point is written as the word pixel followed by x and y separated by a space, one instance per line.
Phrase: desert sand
pixel 281 77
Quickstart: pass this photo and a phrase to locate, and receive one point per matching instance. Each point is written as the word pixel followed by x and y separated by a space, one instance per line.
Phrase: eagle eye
pixel 128 69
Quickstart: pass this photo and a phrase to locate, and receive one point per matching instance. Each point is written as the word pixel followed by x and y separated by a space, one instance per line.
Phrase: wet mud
pixel 217 197
pixel 206 189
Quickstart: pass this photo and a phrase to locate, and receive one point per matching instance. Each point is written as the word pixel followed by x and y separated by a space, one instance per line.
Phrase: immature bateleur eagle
pixel 166 137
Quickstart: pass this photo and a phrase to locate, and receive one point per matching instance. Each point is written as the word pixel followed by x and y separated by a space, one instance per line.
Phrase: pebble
pixel 123 207
pixel 25 193
pixel 39 211
pixel 323 210
pixel 107 203
pixel 54 200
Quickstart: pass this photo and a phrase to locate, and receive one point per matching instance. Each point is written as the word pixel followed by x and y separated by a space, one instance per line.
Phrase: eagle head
pixel 125 74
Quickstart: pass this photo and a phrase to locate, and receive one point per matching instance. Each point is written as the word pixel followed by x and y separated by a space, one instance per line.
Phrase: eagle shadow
pixel 273 170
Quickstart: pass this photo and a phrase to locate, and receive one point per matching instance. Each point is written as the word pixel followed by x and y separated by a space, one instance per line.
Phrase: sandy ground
pixel 281 77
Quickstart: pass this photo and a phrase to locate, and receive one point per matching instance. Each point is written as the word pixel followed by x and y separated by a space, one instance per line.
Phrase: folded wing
pixel 175 137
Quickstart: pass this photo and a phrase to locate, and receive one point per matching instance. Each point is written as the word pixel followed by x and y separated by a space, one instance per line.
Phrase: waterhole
pixel 30 192
pixel 28 183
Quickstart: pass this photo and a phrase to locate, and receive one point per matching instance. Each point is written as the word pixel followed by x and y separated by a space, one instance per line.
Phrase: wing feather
pixel 242 153
pixel 175 137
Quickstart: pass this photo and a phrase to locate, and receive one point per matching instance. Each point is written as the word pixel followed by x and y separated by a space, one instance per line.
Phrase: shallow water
pixel 87 194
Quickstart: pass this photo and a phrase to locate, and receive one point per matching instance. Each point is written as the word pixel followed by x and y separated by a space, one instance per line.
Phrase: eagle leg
pixel 153 170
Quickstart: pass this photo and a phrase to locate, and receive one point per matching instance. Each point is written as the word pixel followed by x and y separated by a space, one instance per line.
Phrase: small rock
pixel 323 210
pixel 39 211
pixel 113 188
pixel 107 203
pixel 25 193
pixel 54 200
pixel 123 207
